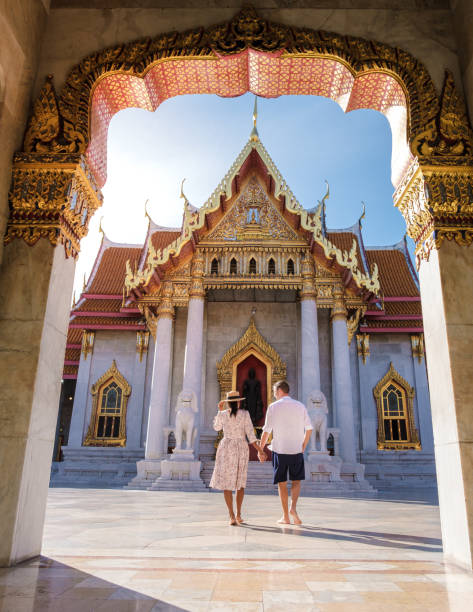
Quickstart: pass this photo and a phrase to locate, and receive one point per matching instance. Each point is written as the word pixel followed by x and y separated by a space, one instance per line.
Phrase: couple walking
pixel 288 421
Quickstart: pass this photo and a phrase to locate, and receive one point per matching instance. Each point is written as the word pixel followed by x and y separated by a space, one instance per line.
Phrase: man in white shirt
pixel 290 424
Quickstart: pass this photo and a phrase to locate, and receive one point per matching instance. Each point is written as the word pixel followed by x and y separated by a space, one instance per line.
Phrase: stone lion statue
pixel 186 409
pixel 318 410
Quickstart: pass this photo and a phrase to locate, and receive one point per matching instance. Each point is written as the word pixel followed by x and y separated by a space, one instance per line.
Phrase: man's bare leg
pixel 240 494
pixel 283 496
pixel 295 492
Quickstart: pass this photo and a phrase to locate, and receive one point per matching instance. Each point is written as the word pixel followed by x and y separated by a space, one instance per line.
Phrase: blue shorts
pixel 282 464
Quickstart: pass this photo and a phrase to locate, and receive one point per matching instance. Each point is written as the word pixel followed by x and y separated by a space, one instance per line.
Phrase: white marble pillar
pixel 342 378
pixel 192 379
pixel 78 425
pixel 134 417
pixel 310 366
pixel 159 397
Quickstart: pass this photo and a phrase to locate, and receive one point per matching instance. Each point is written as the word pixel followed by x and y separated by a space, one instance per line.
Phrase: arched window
pixel 233 266
pixel 394 398
pixel 109 401
pixel 214 266
pixel 271 266
pixel 290 267
pixel 252 267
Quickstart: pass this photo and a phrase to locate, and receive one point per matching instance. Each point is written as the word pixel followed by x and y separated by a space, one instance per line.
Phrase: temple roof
pixel 199 222
pixel 400 305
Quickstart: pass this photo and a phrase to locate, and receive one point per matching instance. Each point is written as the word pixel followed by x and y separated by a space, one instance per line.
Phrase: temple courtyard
pixel 140 551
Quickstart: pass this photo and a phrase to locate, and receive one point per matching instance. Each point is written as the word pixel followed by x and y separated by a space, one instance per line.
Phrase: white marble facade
pixel 226 316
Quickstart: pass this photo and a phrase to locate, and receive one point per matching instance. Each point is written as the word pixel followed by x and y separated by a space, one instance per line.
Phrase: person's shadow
pixel 373 538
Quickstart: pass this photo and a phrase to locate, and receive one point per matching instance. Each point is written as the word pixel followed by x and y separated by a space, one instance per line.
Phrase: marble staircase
pixel 260 480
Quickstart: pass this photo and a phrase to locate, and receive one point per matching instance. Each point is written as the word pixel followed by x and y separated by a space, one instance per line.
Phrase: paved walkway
pixel 140 551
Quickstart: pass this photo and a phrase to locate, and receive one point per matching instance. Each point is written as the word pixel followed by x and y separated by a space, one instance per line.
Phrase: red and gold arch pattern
pixel 265 74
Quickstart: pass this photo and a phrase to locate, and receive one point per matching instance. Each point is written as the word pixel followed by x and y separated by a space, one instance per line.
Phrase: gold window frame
pixel 408 393
pixel 111 375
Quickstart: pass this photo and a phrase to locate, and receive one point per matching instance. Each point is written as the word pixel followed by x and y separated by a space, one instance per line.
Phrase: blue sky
pixel 197 137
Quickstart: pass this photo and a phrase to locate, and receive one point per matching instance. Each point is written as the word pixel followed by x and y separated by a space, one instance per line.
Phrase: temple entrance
pixel 252 383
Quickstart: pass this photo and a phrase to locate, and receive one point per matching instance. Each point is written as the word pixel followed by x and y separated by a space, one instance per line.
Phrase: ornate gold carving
pixel 392 376
pixel 310 222
pixel 448 136
pixel 353 322
pixel 417 343
pixel 88 339
pixel 111 375
pixel 142 343
pixel 197 290
pixel 252 217
pixel 308 291
pixel 52 197
pixel 363 346
pixel 48 131
pixel 437 204
pixel 151 318
pixel 166 307
pixel 252 342
pixel 246 30
pixel 339 308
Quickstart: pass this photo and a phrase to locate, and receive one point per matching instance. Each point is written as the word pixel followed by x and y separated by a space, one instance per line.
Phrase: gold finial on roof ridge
pixel 182 194
pixel 101 228
pixel 363 213
pixel 147 215
pixel 254 136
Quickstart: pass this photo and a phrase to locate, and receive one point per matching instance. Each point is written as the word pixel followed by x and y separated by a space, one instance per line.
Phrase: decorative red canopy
pixel 265 74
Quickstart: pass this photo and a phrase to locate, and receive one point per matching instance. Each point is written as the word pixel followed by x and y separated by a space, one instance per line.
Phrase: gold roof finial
pixel 84 283
pixel 363 214
pixel 183 195
pixel 254 136
pixel 147 215
pixel 101 228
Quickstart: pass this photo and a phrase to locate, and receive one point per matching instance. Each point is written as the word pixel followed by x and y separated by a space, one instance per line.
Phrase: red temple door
pixel 260 369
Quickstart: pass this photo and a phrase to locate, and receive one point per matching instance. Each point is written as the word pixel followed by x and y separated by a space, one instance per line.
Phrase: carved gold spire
pixel 254 136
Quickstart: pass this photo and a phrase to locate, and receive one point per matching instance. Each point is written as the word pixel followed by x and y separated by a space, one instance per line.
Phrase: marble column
pixel 81 396
pixel 342 378
pixel 192 379
pixel 34 315
pixel 159 397
pixel 310 367
pixel 135 411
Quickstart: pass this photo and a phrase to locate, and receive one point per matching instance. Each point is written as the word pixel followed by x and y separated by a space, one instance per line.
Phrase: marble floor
pixel 123 550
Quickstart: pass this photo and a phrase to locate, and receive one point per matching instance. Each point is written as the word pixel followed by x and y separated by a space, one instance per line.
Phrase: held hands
pixel 261 454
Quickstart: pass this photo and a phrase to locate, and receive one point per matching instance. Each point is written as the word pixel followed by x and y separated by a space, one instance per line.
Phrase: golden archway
pixel 58 175
pixel 251 343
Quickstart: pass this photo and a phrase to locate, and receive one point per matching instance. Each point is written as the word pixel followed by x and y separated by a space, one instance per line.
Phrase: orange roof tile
pixel 70 370
pixel 100 306
pixel 111 271
pixel 72 355
pixel 86 322
pixel 394 275
pixel 344 241
pixel 74 336
pixel 161 238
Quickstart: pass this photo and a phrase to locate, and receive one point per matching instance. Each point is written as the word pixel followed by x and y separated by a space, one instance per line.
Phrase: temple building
pixel 252 288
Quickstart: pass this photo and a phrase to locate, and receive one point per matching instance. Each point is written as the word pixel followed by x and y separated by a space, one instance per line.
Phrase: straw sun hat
pixel 233 396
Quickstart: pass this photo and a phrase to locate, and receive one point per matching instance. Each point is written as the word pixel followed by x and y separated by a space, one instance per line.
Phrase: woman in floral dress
pixel 231 461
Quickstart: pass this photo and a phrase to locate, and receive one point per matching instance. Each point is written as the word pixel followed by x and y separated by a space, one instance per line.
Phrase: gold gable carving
pixel 252 216
pixel 251 342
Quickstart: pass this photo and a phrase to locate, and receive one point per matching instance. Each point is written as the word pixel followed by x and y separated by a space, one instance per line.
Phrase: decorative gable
pixel 253 217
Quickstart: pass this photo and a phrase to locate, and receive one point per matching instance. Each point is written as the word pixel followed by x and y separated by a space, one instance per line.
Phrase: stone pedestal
pixel 322 467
